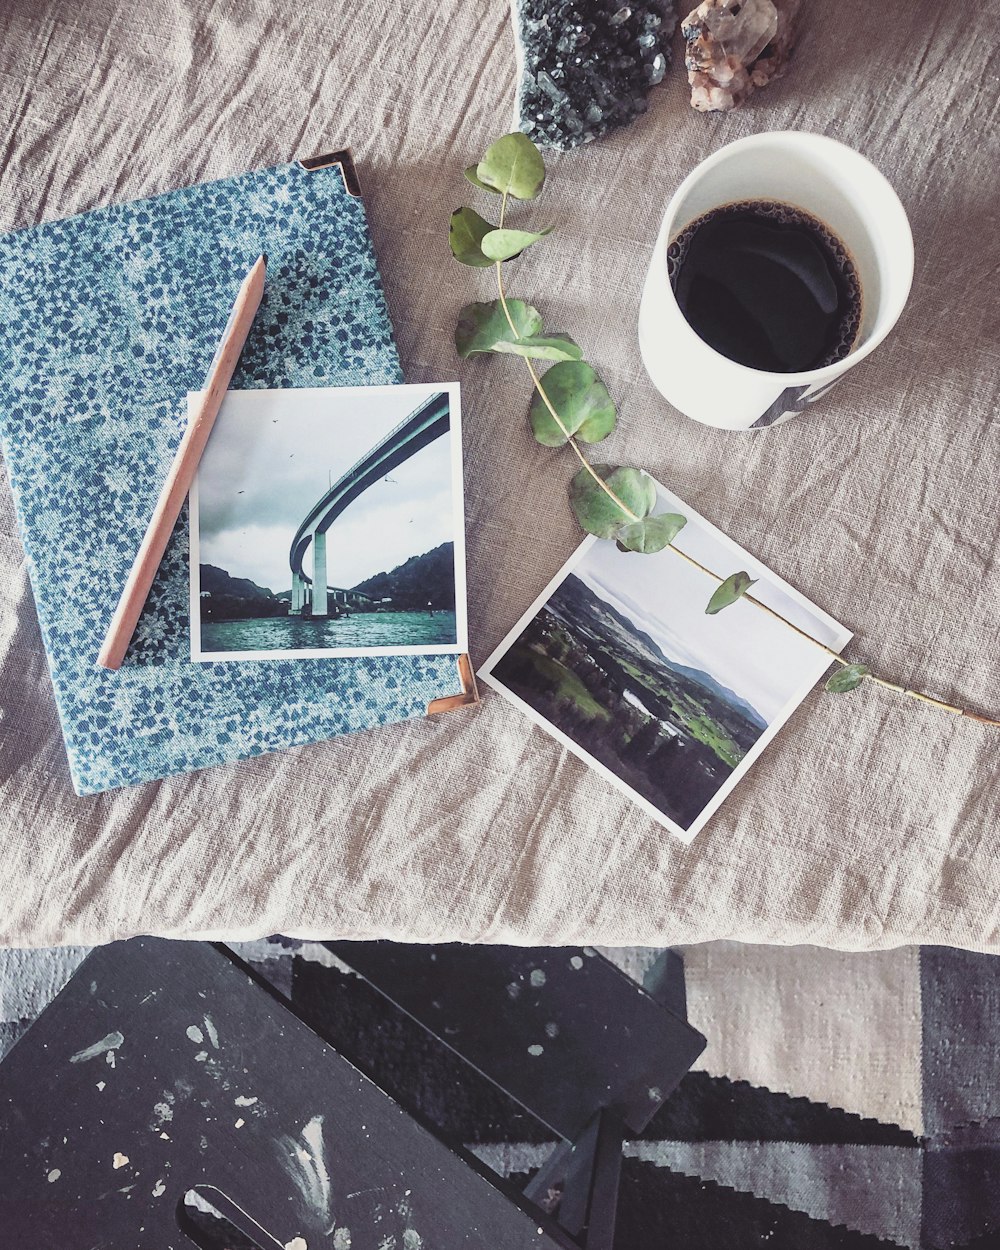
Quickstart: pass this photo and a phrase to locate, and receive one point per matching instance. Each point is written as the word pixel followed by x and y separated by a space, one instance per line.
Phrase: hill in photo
pixel 429 578
pixel 228 598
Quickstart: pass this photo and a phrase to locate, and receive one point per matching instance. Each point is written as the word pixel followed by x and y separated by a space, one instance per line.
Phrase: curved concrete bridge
pixel 312 594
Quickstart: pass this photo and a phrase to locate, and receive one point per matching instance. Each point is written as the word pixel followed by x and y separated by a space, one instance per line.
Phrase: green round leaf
pixel 474 178
pixel 848 678
pixel 651 534
pixel 513 165
pixel 506 244
pixel 542 347
pixel 581 399
pixel 483 327
pixel 594 508
pixel 465 234
pixel 733 588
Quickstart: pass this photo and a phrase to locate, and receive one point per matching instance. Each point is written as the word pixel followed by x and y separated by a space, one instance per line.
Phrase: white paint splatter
pixel 576 963
pixel 212 1031
pixel 514 990
pixel 552 1029
pixel 194 1033
pixel 201 1056
pixel 105 1045
pixel 119 1160
pixel 536 1050
pixel 412 1240
pixel 194 1199
pixel 306 1166
pixel 239 1123
pixel 342 1239
pixel 655 1094
pixel 163 1113
pixel 159 1189
pixel 243 1101
pixel 110 1058
pixel 100 1085
pixel 297 1243
pixel 54 1175
pixel 537 977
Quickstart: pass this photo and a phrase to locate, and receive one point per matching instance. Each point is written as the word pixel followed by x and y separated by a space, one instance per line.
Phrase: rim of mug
pixel 809 137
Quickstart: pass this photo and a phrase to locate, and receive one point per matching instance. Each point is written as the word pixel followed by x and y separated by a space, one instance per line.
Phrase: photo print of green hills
pixel 620 662
pixel 329 522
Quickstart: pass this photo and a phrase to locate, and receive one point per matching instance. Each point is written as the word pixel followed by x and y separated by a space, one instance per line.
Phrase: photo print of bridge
pixel 618 660
pixel 329 522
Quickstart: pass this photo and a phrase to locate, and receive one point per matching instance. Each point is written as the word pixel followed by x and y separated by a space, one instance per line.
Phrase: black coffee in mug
pixel 767 285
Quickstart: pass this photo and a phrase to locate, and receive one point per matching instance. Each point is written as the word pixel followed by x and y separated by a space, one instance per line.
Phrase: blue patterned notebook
pixel 107 321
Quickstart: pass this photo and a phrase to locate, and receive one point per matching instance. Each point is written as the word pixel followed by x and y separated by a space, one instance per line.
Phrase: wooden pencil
pixel 183 469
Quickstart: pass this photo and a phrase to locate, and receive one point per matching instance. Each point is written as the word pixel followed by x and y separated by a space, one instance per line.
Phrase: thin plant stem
pixel 839 659
pixel 537 381
pixel 879 681
pixel 763 607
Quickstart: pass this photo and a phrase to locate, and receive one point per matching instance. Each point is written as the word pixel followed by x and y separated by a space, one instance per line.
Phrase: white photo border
pixel 461 644
pixel 838 638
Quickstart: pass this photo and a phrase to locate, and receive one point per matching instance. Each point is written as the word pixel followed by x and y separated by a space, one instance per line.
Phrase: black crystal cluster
pixel 587 65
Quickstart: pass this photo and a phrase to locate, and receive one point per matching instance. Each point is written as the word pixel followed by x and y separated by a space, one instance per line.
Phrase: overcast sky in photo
pixel 272 455
pixel 742 647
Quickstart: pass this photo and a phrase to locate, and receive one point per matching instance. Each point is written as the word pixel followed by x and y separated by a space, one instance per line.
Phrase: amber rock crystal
pixel 736 46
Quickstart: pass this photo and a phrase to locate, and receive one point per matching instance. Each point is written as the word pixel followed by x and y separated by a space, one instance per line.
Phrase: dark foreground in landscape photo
pixel 672 733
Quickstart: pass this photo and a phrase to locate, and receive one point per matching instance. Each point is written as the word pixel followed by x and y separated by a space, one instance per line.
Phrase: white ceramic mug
pixel 810 172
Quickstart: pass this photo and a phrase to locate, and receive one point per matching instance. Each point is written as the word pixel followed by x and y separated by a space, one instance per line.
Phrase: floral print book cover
pixel 108 320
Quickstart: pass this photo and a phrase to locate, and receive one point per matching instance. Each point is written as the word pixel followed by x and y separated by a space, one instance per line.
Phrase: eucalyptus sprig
pixel 572 405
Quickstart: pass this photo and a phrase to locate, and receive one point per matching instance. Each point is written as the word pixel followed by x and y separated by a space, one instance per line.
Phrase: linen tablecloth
pixel 871 821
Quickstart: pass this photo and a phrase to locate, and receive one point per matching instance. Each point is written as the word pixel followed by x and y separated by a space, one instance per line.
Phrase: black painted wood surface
pixel 561 1029
pixel 163 1066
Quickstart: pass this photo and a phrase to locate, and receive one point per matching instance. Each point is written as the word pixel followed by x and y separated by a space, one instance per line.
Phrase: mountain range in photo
pixel 421 580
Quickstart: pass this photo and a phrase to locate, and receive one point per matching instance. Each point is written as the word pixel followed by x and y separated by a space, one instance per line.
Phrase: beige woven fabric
pixel 869 822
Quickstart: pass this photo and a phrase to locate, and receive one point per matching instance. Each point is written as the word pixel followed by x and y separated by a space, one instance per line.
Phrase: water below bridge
pixel 363 629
